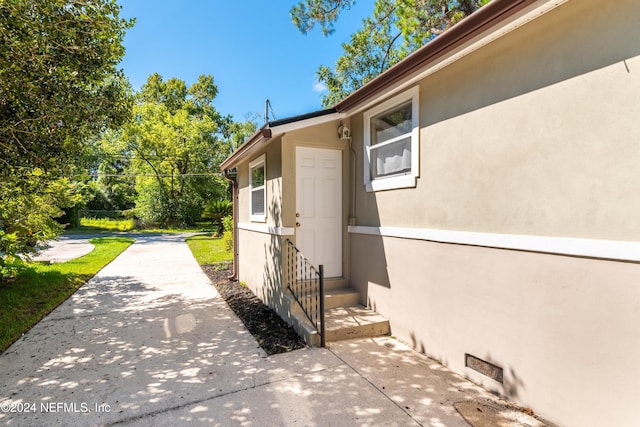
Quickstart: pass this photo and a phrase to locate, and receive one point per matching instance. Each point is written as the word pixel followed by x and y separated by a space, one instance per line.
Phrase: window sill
pixel 391 183
pixel 267 229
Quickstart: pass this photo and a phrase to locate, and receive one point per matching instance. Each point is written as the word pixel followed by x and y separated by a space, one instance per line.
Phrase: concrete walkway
pixel 65 248
pixel 148 341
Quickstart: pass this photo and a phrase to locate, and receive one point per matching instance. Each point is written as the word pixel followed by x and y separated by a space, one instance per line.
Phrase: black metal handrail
pixel 306 284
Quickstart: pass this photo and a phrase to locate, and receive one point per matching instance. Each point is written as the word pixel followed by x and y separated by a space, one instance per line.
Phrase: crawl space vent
pixel 485 368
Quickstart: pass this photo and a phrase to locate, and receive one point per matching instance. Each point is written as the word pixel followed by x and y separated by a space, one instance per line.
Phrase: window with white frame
pixel 258 189
pixel 391 133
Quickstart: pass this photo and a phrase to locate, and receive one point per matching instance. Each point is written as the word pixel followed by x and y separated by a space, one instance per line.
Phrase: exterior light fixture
pixel 344 133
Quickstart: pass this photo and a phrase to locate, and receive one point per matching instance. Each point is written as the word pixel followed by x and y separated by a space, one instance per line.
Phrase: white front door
pixel 319 207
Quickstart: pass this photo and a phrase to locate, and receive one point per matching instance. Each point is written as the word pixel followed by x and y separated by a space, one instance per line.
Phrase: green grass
pixel 40 288
pixel 108 224
pixel 204 227
pixel 209 250
pixel 93 226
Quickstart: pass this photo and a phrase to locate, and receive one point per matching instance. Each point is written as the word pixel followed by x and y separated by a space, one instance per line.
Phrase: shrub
pixel 109 224
pixel 227 236
pixel 10 262
pixel 216 210
pixel 227 223
pixel 227 239
pixel 157 207
pixel 29 203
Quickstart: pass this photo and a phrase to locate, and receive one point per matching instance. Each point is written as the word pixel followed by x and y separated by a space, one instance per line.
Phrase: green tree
pixel 113 187
pixel 175 143
pixel 30 202
pixel 396 28
pixel 174 157
pixel 58 78
pixel 58 85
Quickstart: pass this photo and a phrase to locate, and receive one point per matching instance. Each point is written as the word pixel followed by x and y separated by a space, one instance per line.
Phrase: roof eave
pixel 260 136
pixel 275 129
pixel 487 16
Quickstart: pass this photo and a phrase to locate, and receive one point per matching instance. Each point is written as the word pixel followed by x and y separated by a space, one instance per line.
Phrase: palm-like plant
pixel 216 210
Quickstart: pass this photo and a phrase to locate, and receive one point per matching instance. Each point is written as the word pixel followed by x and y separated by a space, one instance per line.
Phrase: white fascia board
pixel 278 131
pixel 301 124
pixel 237 157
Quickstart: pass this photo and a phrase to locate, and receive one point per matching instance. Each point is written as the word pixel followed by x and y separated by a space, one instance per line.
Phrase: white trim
pixel 267 229
pixel 391 182
pixel 257 162
pixel 593 248
pixel 394 181
pixel 277 131
pixel 301 124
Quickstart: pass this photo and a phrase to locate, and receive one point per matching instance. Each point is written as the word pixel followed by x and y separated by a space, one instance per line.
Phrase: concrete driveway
pixel 148 341
pixel 65 248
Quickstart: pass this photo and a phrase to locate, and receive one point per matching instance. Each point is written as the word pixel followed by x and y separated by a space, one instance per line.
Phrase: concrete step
pixel 300 323
pixel 343 297
pixel 332 298
pixel 344 323
pixel 298 320
pixel 332 283
pixel 341 323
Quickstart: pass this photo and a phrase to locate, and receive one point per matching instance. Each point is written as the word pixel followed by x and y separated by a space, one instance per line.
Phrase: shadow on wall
pixel 418 345
pixel 503 383
pixel 428 392
pixel 272 292
pixel 511 385
pixel 368 266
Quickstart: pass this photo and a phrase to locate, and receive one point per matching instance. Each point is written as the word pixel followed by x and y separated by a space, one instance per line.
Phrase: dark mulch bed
pixel 272 333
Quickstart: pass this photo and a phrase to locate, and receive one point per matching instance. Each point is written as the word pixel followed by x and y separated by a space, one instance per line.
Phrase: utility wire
pixel 95 175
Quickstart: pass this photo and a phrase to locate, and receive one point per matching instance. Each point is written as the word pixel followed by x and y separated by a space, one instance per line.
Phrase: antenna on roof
pixel 268 107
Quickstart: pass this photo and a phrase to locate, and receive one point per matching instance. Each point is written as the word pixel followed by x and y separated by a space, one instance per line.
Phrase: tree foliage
pixel 30 202
pixel 174 145
pixel 306 14
pixel 58 77
pixel 58 85
pixel 395 29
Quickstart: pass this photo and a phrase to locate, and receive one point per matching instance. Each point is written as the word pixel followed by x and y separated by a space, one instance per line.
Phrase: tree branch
pixel 388 52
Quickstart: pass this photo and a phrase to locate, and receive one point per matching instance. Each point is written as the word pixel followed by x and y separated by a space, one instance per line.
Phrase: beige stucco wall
pixel 260 262
pixel 273 162
pixel 280 164
pixel 564 329
pixel 260 253
pixel 536 133
pixel 325 136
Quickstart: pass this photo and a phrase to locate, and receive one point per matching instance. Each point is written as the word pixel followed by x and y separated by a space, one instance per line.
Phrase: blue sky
pixel 250 47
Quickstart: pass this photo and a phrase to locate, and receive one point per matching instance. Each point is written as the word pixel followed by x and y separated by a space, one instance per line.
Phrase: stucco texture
pixel 535 133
